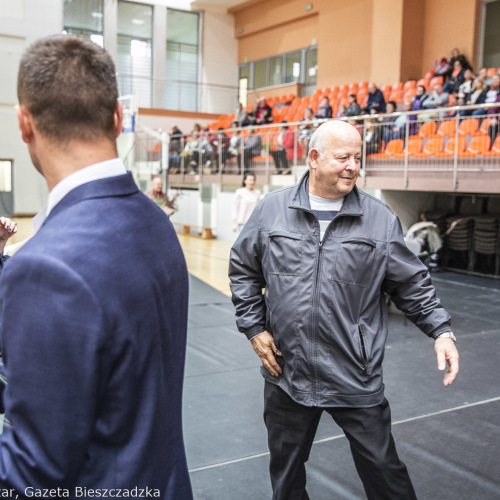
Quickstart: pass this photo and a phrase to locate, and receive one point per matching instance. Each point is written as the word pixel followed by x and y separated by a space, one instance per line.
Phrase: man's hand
pixel 7 228
pixel 447 354
pixel 263 345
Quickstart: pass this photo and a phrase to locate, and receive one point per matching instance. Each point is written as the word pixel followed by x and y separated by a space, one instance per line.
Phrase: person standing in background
pixel 245 201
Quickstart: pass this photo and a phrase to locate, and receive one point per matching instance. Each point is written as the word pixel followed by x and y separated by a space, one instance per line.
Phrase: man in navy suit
pixel 94 306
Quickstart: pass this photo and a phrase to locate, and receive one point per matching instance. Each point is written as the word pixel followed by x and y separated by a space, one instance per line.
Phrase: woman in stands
pixel 245 201
pixel 324 109
pixel 373 137
pixel 477 96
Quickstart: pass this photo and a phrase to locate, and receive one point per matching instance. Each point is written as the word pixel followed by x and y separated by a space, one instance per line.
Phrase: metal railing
pixel 395 154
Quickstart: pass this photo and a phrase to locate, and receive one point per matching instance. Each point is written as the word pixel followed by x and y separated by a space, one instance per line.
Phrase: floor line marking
pixel 332 438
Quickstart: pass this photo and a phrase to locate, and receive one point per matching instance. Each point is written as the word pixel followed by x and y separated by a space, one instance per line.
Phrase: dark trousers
pixel 291 428
pixel 280 161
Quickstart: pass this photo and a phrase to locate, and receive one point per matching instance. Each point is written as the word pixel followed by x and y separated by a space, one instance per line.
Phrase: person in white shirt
pixel 245 201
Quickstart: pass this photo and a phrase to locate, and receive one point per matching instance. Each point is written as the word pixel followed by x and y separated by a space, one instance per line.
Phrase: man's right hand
pixel 263 345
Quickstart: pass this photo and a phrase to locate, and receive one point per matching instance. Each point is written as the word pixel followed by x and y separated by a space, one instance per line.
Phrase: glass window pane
pixel 311 66
pixel 293 61
pixel 135 20
pixel 85 18
pixel 182 26
pixel 260 74
pixel 276 70
pixel 491 46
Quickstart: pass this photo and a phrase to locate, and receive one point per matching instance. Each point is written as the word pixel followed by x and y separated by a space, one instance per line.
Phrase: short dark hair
pixel 393 104
pixel 68 84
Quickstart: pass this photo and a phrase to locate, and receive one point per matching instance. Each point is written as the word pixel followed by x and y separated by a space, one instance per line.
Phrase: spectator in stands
pixel 251 148
pixel 376 99
pixel 279 152
pixel 456 78
pixel 373 137
pixel 245 201
pixel 466 87
pixel 354 109
pixel 483 74
pixel 491 95
pixel 438 99
pixel 456 56
pixel 306 129
pixel 220 149
pixel 192 151
pixel 494 120
pixel 241 117
pixel 419 98
pixel 262 114
pixel 442 68
pixel 160 198
pixel 176 140
pixel 477 96
pixel 342 111
pixel 402 124
pixel 235 143
pixel 324 109
pixel 388 121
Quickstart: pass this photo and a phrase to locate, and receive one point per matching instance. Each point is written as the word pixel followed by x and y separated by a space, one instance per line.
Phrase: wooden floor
pixel 207 260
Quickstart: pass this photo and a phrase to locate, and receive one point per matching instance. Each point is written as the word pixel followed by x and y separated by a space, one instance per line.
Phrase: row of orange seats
pixel 435 147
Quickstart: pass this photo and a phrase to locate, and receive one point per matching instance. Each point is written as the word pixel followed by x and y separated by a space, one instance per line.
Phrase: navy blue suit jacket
pixel 93 326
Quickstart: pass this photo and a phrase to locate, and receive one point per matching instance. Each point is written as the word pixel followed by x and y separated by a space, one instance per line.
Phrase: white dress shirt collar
pixel 102 170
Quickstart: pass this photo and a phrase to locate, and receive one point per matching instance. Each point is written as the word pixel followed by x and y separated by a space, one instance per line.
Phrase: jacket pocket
pixel 285 252
pixel 363 347
pixel 355 259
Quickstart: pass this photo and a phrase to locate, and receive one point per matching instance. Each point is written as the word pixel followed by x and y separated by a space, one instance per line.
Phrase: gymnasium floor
pixel 448 437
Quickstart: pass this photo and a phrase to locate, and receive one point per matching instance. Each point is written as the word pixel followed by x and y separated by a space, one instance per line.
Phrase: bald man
pixel 325 252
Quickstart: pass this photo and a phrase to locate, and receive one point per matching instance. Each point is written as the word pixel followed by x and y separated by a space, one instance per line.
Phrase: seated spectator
pixel 438 99
pixel 459 101
pixel 401 124
pixel 376 99
pixel 292 147
pixel 419 98
pixel 252 147
pixel 456 78
pixel 342 111
pixel 354 109
pixel 175 140
pixel 456 56
pixel 493 125
pixel 373 137
pixel 280 153
pixel 465 88
pixel 387 122
pixel 235 143
pixel 241 117
pixel 442 68
pixel 476 96
pixel 220 149
pixel 324 109
pixel 262 114
pixel 192 150
pixel 306 129
pixel 491 95
pixel 483 74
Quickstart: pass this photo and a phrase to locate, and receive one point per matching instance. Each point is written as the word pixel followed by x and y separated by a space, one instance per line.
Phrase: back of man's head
pixel 68 84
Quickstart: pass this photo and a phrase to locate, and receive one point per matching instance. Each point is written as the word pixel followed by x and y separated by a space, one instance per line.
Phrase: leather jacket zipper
pixel 364 354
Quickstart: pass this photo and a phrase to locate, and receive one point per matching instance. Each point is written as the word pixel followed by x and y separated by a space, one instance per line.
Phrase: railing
pixel 423 150
pixel 180 95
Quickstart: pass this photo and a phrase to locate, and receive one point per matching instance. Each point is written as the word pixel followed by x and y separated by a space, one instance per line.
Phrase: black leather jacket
pixel 324 301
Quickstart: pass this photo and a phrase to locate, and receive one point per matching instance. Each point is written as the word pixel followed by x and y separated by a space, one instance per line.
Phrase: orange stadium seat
pixel 432 147
pixel 483 129
pixel 478 146
pixel 396 96
pixel 491 71
pixel 495 149
pixel 424 82
pixel 468 126
pixel 429 75
pixel 414 147
pixel 410 84
pixel 427 129
pixel 409 93
pixel 393 147
pixel 437 80
pixel 449 150
pixel 397 86
pixel 447 128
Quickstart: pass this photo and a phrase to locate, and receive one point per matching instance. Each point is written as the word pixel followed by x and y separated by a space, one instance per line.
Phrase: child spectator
pixel 324 109
pixel 354 109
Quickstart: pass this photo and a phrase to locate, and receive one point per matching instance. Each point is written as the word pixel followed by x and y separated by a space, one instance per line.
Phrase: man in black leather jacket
pixel 326 252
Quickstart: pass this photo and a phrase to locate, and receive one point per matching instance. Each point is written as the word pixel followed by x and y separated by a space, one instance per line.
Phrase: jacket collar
pixel 120 185
pixel 300 199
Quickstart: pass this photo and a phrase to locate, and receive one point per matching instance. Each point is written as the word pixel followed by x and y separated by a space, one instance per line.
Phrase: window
pixel 293 64
pixel 244 84
pixel 260 74
pixel 182 60
pixel 134 58
pixel 85 18
pixel 311 72
pixel 276 70
pixel 490 53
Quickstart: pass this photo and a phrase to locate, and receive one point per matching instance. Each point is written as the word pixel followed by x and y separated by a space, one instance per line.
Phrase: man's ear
pixel 25 123
pixel 118 118
pixel 313 158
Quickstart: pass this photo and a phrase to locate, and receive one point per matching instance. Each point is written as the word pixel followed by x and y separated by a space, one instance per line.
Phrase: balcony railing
pixel 423 150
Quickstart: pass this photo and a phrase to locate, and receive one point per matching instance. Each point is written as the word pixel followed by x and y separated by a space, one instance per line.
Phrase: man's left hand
pixel 447 354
